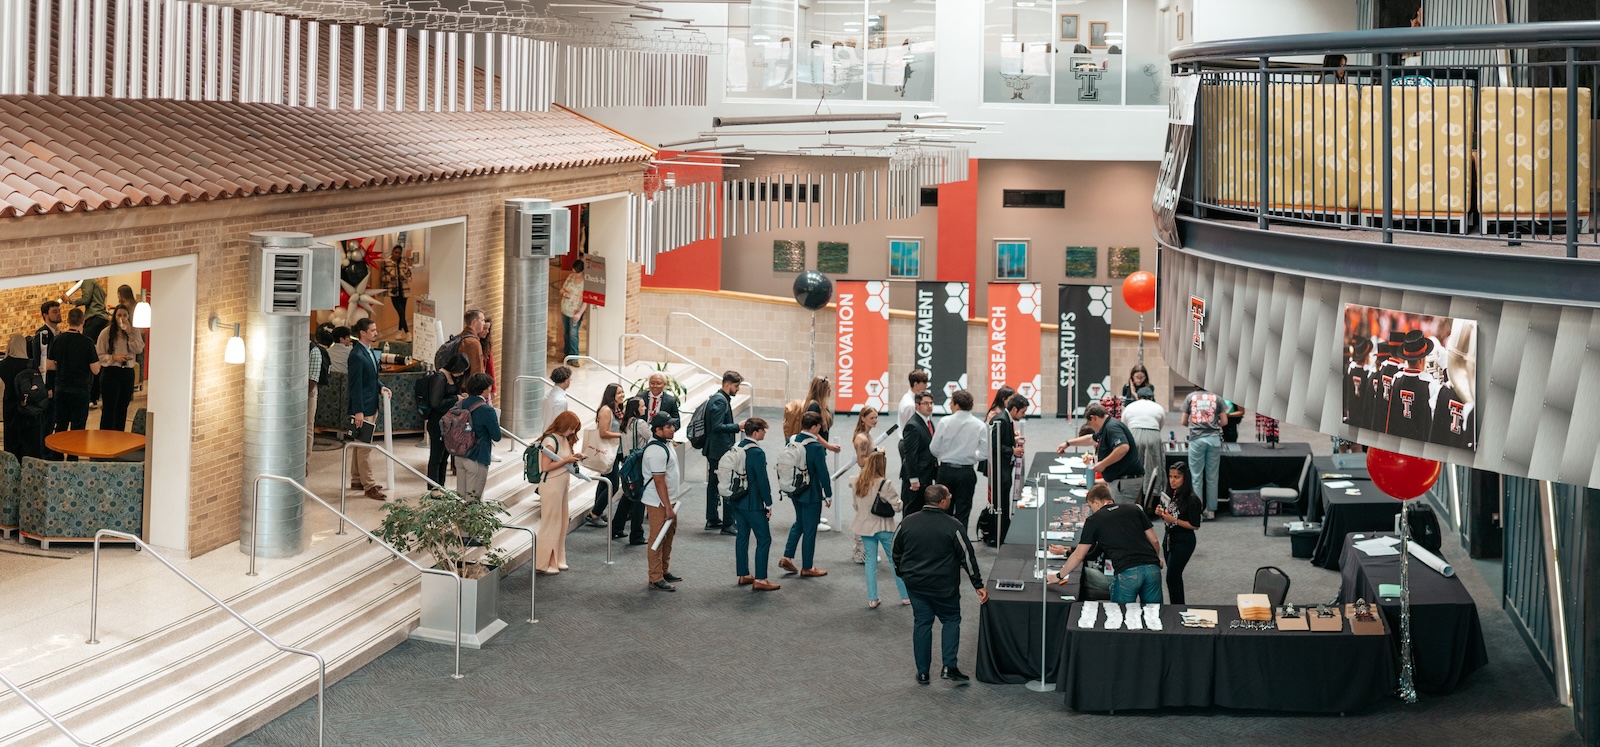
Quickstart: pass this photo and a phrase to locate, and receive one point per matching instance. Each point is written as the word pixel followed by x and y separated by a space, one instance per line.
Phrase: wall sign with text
pixel 1012 350
pixel 862 347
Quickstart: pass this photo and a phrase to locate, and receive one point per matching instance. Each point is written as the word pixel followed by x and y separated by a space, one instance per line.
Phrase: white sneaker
pixel 498 458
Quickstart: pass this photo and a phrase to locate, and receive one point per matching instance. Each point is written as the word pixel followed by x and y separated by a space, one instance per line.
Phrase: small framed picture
pixel 1181 19
pixel 1097 34
pixel 1011 259
pixel 1069 27
pixel 905 258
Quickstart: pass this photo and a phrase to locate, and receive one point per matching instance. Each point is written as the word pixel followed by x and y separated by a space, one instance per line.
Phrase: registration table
pixel 1271 670
pixel 94 444
pixel 1446 637
pixel 1247 466
pixel 1361 507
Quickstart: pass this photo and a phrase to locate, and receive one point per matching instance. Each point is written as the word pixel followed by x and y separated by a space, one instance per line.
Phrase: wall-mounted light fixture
pixel 235 351
pixel 141 311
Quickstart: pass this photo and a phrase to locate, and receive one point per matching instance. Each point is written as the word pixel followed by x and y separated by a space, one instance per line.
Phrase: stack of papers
pixel 1378 547
pixel 1134 615
pixel 1113 617
pixel 1339 484
pixel 1089 614
pixel 1255 607
pixel 1152 616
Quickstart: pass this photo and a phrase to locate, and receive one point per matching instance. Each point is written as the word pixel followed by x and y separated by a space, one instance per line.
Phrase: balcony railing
pixel 1478 133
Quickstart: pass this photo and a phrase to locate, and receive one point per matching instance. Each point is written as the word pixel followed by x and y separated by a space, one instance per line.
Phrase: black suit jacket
pixel 669 404
pixel 916 453
pixel 362 382
pixel 1003 437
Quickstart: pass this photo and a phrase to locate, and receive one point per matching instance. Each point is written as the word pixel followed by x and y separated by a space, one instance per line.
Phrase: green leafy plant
pixel 442 523
pixel 641 385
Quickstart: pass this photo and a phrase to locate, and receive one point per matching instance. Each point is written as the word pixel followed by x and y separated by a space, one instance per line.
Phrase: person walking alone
pixel 1181 511
pixel 875 531
pixel 930 551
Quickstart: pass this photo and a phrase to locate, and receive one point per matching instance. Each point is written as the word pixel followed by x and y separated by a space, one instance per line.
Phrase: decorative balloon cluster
pixel 356 300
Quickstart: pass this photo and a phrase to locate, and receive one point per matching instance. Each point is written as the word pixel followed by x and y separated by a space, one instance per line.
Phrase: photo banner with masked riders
pixel 1411 375
pixel 862 346
pixel 939 341
pixel 1083 346
pixel 1011 354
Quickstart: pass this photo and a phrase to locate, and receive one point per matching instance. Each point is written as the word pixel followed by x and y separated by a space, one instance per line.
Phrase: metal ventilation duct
pixel 526 301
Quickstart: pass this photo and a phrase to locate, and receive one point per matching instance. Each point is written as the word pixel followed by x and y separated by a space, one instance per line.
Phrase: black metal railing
pixel 1483 133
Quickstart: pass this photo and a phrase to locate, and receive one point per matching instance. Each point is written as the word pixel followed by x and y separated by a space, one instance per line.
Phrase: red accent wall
pixel 697 265
pixel 958 228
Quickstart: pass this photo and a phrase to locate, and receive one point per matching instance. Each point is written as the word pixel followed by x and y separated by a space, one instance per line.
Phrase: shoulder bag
pixel 880 507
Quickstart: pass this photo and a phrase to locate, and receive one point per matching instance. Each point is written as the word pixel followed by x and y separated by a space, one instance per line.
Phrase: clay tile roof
pixel 60 154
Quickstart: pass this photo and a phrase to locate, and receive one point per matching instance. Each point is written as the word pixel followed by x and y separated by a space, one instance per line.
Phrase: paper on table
pixel 1339 484
pixel 1152 616
pixel 1062 469
pixel 1057 535
pixel 1133 615
pixel 1376 548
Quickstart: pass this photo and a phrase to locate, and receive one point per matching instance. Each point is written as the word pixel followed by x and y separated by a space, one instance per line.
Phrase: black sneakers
pixel 670 577
pixel 954 675
pixel 663 586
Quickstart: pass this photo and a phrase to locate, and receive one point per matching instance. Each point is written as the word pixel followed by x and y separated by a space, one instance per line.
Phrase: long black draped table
pixel 1366 509
pixel 1273 670
pixel 1250 465
pixel 1446 636
pixel 1325 468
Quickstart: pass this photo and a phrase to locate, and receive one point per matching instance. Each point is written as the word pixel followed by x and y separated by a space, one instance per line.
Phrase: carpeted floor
pixel 613 663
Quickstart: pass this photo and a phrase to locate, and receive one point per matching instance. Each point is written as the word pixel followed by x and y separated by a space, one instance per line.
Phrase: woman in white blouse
pixel 876 530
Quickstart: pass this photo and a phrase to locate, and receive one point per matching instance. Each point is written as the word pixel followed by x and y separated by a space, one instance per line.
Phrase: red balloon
pixel 1139 290
pixel 1401 476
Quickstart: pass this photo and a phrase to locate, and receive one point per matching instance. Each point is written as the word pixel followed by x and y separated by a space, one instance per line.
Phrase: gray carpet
pixel 612 663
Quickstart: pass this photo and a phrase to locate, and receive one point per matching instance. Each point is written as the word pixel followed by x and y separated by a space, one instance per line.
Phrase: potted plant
pixel 673 387
pixel 446 526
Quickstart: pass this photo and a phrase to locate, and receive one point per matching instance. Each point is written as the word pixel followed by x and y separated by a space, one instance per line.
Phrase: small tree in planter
pixel 443 524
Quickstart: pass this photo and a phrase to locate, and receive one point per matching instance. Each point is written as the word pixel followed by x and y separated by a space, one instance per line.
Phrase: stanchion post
pixel 1040 565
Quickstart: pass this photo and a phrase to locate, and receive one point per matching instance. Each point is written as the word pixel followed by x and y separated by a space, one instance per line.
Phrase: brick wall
pixel 19 307
pixel 217 233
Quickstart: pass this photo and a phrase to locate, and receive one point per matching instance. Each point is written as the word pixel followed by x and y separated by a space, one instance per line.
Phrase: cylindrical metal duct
pixel 275 369
pixel 522 330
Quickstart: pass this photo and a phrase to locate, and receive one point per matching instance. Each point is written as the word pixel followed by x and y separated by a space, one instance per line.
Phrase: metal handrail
pixel 255 496
pixel 547 382
pixel 729 338
pixel 622 360
pixel 622 378
pixel 1491 36
pixel 46 714
pixel 94 613
pixel 344 472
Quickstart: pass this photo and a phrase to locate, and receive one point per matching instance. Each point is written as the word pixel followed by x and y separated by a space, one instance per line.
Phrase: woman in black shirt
pixel 1181 510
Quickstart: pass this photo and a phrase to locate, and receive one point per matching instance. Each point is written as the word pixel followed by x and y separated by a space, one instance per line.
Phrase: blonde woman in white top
pixel 876 530
pixel 119 347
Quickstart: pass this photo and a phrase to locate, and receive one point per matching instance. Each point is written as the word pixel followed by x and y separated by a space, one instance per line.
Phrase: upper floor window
pixel 1082 52
pixel 846 50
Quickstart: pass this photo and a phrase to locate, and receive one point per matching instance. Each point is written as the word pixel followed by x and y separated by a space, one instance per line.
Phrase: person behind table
pixel 752 512
pixel 1138 378
pixel 1123 531
pixel 1230 429
pixel 930 551
pixel 1116 456
pixel 1144 417
pixel 1204 414
pixel 1181 509
pixel 876 531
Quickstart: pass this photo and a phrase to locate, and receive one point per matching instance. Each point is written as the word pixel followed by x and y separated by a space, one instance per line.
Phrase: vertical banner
pixel 1013 345
pixel 862 349
pixel 594 280
pixel 1083 347
pixel 939 345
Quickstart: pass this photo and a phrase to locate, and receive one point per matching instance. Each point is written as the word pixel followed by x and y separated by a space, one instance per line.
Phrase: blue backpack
pixel 633 469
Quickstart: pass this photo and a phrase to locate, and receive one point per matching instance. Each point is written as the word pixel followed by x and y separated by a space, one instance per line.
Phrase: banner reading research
pixel 939 342
pixel 862 349
pixel 1083 346
pixel 1012 350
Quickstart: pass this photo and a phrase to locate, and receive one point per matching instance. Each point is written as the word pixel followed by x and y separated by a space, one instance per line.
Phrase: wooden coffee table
pixel 94 444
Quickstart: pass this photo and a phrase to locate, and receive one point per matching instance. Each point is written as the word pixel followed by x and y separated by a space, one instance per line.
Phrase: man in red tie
pixel 657 400
pixel 917 465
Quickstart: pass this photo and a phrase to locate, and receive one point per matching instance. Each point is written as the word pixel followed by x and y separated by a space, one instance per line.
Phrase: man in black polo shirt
pixel 1117 457
pixel 1123 532
pixel 76 362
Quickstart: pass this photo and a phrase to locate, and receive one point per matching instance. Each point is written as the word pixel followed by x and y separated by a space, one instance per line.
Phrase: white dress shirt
pixel 960 440
pixel 1144 414
pixel 555 403
pixel 908 407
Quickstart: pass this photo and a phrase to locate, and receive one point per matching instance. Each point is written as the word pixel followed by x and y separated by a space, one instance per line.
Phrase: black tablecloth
pixel 1009 624
pixel 1370 510
pixel 1253 465
pixel 1321 467
pixel 1446 636
pixel 1112 670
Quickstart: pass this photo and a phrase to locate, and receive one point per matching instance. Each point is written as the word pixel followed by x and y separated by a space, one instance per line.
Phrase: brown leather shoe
pixel 813 572
pixel 746 580
pixel 375 494
pixel 764 585
pixel 787 565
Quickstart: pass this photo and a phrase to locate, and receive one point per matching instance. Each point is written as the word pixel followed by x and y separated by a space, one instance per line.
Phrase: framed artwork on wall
pixel 905 258
pixel 833 257
pixel 1069 27
pixel 1083 261
pixel 1122 261
pixel 1097 34
pixel 788 256
pixel 1011 259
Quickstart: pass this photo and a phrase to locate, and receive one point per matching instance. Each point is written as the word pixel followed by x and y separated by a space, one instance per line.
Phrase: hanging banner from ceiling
pixel 1012 350
pixel 1083 347
pixel 939 342
pixel 862 348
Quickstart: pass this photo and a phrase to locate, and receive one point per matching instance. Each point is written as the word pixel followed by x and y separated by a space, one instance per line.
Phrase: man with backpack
pixel 750 504
pixel 806 481
pixel 659 465
pixel 713 427
pixel 483 424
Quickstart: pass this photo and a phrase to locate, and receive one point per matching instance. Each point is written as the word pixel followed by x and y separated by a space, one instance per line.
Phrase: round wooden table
pixel 94 444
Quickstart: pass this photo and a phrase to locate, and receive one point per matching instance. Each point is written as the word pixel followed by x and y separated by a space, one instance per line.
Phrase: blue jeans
pixel 804 532
pixel 1140 583
pixel 923 610
pixel 752 521
pixel 869 548
pixel 1205 456
pixel 569 330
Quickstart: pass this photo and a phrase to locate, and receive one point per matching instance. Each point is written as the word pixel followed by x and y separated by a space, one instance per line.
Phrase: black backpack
pixel 32 396
pixel 423 394
pixel 447 352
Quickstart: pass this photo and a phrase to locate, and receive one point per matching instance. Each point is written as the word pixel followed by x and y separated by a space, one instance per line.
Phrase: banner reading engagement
pixel 939 342
pixel 1012 350
pixel 862 356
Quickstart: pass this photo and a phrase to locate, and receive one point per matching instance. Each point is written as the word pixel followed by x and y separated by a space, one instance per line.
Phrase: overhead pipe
pixel 804 118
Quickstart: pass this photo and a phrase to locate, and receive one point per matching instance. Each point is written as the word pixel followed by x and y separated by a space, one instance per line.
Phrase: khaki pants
pixel 660 558
pixel 361 469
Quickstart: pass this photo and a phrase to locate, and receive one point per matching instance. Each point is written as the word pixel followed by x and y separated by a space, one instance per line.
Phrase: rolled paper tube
pixel 1432 561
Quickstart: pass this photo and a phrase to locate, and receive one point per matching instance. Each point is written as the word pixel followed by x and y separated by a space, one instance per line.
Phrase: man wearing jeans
pixel 1123 532
pixel 1204 414
pixel 930 551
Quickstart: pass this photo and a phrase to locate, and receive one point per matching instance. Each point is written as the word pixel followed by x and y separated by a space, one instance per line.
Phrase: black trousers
pixel 22 435
pixel 1178 547
pixel 92 327
pixel 438 458
pixel 1000 496
pixel 116 391
pixel 400 308
pixel 713 499
pixel 962 482
pixel 72 409
pixel 910 500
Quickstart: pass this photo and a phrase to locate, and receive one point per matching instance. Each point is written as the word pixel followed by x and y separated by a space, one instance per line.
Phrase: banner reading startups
pixel 939 345
pixel 1083 346
pixel 862 349
pixel 1012 355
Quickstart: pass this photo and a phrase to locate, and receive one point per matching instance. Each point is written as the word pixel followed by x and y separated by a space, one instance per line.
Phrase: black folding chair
pixel 1272 582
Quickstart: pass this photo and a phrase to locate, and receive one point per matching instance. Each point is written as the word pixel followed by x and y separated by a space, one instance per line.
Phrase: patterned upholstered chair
pixel 10 492
pixel 333 412
pixel 139 420
pixel 70 501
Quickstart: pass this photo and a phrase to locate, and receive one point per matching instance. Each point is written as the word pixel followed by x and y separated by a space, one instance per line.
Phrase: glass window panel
pixel 1018 42
pixel 1089 71
pixel 761 58
pixel 900 50
pixel 831 62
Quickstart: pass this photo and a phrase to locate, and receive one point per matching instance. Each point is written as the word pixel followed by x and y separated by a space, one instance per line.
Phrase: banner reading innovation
pixel 1012 350
pixel 939 342
pixel 862 349
pixel 1083 346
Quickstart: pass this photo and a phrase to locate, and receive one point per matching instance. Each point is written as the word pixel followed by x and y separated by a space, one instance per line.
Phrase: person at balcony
pixel 444 391
pixel 608 426
pixel 918 467
pixel 1333 68
pixel 21 429
pixel 663 486
pixel 808 502
pixel 555 400
pixel 1116 456
pixel 753 510
pixel 657 399
pixel 720 434
pixel 908 402
pixel 365 394
pixel 1138 378
pixel 1203 412
pixel 119 346
pixel 339 351
pixel 1410 413
pixel 872 488
pixel 559 438
pixel 628 518
pixel 866 420
pixel 958 446
pixel 76 363
pixel 572 309
pixel 1144 417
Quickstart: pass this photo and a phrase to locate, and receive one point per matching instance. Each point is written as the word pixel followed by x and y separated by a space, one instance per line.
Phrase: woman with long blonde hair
pixel 875 530
pixel 819 399
pixel 559 438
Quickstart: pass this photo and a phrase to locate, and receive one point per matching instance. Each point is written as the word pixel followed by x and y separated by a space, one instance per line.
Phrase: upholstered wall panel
pixel 1273 341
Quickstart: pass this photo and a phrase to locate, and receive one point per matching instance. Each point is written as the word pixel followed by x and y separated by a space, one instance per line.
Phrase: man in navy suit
pixel 753 511
pixel 364 390
pixel 809 501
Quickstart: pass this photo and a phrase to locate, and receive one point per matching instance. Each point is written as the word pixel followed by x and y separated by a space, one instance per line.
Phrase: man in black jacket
pixel 1005 447
pixel 918 468
pixel 930 551
pixel 720 433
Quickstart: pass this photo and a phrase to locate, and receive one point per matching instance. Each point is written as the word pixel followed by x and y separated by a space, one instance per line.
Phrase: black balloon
pixel 813 289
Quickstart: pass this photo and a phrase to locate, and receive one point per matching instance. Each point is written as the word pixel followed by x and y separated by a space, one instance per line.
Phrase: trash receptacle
pixel 1303 538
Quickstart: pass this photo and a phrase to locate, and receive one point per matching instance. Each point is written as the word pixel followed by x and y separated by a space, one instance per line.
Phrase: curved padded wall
pixel 1273 341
